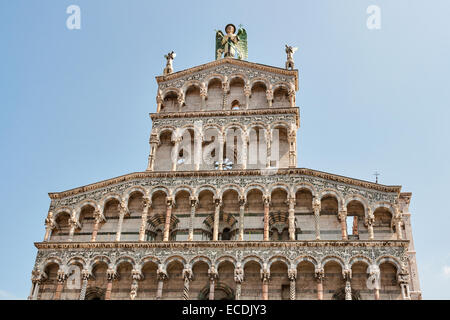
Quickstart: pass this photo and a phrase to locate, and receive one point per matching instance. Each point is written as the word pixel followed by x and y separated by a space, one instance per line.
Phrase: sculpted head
pixel 230 29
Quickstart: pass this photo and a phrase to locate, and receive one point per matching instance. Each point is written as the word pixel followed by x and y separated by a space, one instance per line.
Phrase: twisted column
pixel 194 202
pixel 213 275
pixel 244 139
pixel 241 218
pixel 188 277
pixel 169 205
pixel 403 280
pixel 292 275
pixel 218 203
pixel 291 202
pixel 238 278
pixel 147 204
pixel 85 274
pixel 316 207
pixel 203 95
pixel 292 140
pixel 268 136
pixel 319 274
pixel 291 94
pixel 266 200
pixel 247 93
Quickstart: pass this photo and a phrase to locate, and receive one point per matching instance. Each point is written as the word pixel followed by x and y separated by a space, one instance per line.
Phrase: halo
pixel 230 24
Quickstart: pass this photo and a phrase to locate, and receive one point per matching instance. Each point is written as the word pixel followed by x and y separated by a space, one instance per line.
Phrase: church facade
pixel 222 211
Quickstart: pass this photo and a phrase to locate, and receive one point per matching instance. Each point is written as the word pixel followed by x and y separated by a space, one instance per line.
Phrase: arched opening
pixel 226 282
pixel 232 154
pixel 253 217
pixel 206 207
pixel 173 286
pixel 84 233
pixel 382 227
pixel 170 103
pixel 108 230
pixel 230 208
pixel 148 286
pixel 157 216
pixel 47 288
pixel 163 158
pixel 122 285
pixel 359 281
pixel 200 280
pixel 330 228
pixel 97 282
pixel 304 214
pixel 193 101
pixel 306 287
pixel 251 288
pixel 182 211
pixel 210 149
pixel 355 220
pixel 389 286
pixel 215 95
pixel 281 98
pixel 279 156
pixel 279 288
pixel 135 209
pixel 61 232
pixel 279 215
pixel 333 280
pixel 71 287
pixel 257 148
pixel 258 98
pixel 236 92
pixel 185 156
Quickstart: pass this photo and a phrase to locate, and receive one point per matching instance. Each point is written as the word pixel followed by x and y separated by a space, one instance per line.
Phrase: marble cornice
pixel 237 62
pixel 221 244
pixel 217 173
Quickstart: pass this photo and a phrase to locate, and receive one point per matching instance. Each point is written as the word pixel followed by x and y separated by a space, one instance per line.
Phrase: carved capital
pixel 319 273
pixel 292 274
pixel 111 274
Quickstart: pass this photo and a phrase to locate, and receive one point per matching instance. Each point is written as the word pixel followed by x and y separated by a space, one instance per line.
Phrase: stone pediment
pixel 226 67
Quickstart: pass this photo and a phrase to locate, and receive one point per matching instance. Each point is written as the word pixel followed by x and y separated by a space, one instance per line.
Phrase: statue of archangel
pixel 231 45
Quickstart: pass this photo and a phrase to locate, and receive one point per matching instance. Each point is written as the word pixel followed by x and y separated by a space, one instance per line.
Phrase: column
pixel 147 204
pixel 348 286
pixel 226 89
pixel 403 280
pixel 175 150
pixel 123 208
pixel 316 207
pixel 167 222
pixel 111 276
pixel 269 95
pixel 342 216
pixel 197 158
pixel 218 203
pixel 203 95
pixel 266 200
pixel 241 218
pixel 154 142
pixel 36 289
pixel 162 275
pixel 220 151
pixel 136 275
pixel 85 274
pixel 244 139
pixel 62 276
pixel 369 221
pixel 98 218
pixel 398 227
pixel 49 226
pixel 238 278
pixel 188 277
pixel 191 218
pixel 36 278
pixel 268 136
pixel 180 101
pixel 319 273
pixel 291 202
pixel 159 101
pixel 265 277
pixel 247 93
pixel 212 273
pixel 292 275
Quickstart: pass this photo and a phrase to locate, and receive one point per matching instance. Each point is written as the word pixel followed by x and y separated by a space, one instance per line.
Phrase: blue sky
pixel 75 103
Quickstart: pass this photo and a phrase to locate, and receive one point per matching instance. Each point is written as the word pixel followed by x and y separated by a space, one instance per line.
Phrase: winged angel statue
pixel 230 44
